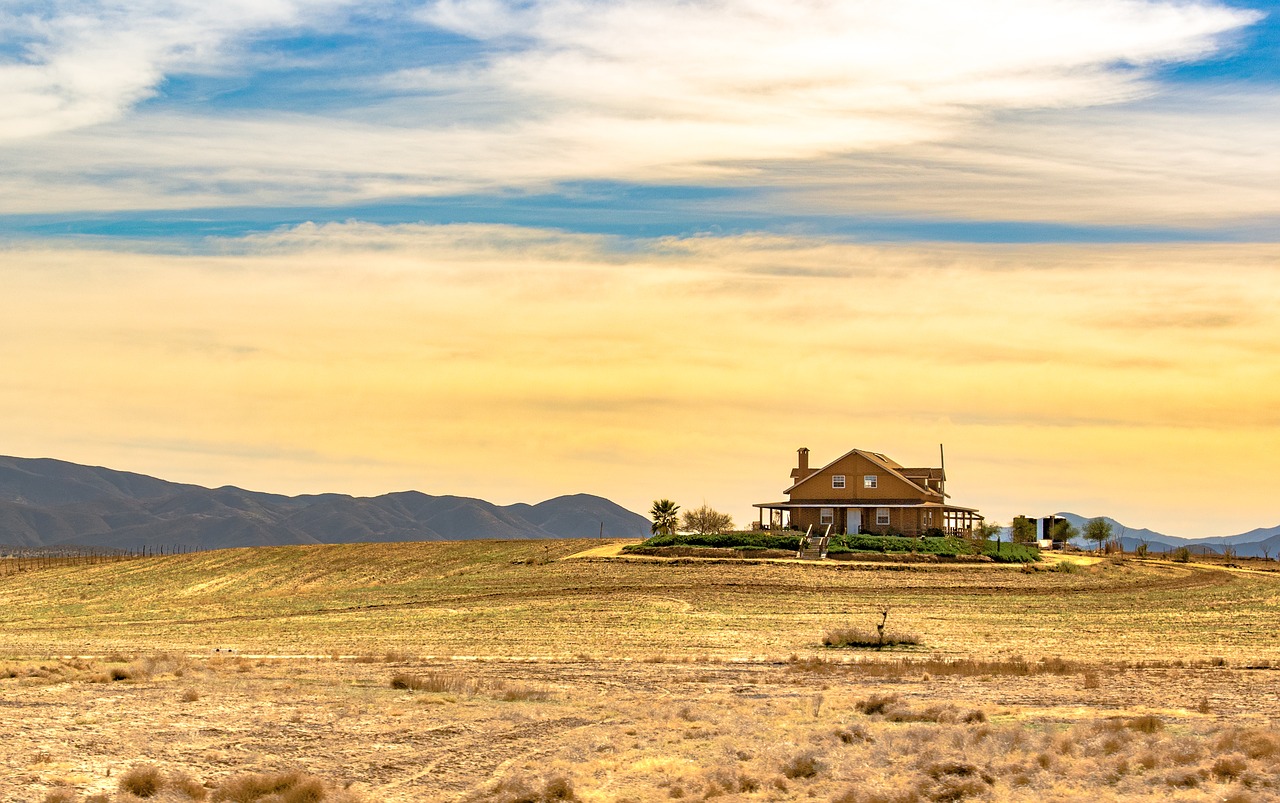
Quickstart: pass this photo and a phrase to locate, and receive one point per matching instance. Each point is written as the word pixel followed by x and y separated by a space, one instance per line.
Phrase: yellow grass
pixel 634 680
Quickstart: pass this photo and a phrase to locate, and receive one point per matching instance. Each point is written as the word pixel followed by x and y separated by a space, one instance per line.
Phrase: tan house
pixel 867 492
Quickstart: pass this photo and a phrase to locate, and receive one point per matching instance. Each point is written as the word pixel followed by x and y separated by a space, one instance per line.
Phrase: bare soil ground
pixel 603 679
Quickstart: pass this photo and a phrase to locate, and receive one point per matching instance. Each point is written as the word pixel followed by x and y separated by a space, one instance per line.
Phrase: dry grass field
pixel 532 671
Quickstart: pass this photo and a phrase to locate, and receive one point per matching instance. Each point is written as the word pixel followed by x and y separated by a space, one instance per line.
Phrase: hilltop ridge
pixel 46 502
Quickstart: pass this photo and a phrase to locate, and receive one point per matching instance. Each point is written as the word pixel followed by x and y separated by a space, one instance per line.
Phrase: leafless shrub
pixel 63 794
pixel 853 735
pixel 876 703
pixel 1230 767
pixel 1145 724
pixel 1182 777
pixel 955 780
pixel 1255 743
pixel 189 695
pixel 728 781
pixel 802 765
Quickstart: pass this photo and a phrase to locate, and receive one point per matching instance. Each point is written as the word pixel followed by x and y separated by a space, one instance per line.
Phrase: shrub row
pixel 946 547
pixel 758 540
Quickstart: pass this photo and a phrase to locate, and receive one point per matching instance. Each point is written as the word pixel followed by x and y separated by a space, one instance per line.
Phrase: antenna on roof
pixel 942 456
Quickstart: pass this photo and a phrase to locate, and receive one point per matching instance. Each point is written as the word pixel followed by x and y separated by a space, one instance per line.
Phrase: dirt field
pixel 543 676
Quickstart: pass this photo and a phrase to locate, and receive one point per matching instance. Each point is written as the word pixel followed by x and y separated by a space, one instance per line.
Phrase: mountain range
pixel 48 503
pixel 1257 543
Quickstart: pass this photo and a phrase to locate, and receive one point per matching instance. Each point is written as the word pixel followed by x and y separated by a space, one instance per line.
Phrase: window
pixel 882 516
pixel 837 481
pixel 870 481
pixel 927 518
pixel 827 516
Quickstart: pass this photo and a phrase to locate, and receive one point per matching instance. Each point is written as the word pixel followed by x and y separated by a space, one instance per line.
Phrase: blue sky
pixel 177 122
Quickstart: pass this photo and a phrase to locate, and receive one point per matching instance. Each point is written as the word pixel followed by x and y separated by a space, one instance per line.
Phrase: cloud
pixel 744 79
pixel 79 63
pixel 988 109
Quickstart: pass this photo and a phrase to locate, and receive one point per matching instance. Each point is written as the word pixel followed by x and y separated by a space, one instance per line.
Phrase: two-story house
pixel 863 491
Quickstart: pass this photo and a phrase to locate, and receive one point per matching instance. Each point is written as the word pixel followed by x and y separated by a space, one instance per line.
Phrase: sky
pixel 649 248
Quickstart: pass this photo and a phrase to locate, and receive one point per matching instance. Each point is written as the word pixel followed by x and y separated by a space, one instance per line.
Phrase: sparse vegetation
pixel 282 787
pixel 706 521
pixel 463 684
pixel 878 639
pixel 670 679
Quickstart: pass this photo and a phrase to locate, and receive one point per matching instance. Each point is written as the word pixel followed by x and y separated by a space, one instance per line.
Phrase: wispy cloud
pixel 982 103
pixel 76 63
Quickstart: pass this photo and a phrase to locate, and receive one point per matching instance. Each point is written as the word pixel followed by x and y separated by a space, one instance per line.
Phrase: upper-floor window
pixel 870 481
pixel 837 481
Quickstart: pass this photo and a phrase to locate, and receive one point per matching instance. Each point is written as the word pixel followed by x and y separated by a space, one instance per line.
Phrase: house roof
pixel 874 457
pixel 923 473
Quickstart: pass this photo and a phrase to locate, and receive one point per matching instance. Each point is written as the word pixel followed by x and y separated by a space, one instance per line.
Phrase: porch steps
pixel 816 550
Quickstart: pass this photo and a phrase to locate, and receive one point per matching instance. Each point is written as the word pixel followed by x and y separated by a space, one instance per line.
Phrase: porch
pixel 881 518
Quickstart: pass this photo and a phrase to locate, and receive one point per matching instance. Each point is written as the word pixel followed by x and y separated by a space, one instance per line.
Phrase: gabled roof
pixel 875 457
pixel 923 473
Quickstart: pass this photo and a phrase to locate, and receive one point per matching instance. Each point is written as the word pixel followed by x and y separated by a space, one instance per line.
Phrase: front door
pixel 853 520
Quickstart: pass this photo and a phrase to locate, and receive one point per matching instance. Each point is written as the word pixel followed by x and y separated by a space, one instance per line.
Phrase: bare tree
pixel 705 521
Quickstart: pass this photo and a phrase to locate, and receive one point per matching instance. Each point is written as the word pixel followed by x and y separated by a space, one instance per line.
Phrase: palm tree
pixel 664 517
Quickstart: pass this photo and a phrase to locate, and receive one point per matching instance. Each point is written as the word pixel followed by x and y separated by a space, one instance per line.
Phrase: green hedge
pixel 943 547
pixel 842 544
pixel 748 540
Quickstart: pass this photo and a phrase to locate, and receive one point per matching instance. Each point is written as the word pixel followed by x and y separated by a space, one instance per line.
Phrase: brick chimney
pixel 802 469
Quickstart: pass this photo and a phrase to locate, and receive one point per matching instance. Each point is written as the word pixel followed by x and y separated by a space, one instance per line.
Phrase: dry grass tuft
pixel 286 787
pixel 517 789
pixel 518 692
pixel 910 667
pixel 143 780
pixel 867 639
pixel 439 682
pixel 63 794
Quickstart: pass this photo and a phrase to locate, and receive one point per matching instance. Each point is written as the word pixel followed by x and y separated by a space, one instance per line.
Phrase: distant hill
pixel 47 502
pixel 1255 543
